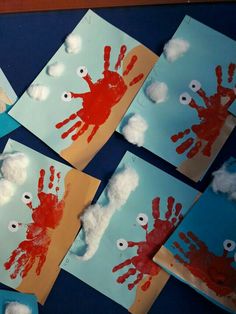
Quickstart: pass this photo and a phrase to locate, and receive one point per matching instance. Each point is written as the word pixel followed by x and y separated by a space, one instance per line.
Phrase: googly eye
pixel 13 226
pixel 122 244
pixel 66 96
pixel 195 85
pixel 229 245
pixel 27 198
pixel 185 98
pixel 82 71
pixel 142 219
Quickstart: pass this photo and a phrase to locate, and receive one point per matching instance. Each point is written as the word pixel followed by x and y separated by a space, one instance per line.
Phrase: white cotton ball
pixel 56 69
pixel 73 43
pixel 157 92
pixel 14 168
pixel 224 182
pixel 121 185
pixel 17 308
pixel 175 48
pixel 38 92
pixel 96 218
pixel 6 191
pixel 135 129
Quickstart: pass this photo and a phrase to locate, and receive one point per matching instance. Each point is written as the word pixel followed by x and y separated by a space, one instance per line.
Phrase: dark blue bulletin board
pixel 27 42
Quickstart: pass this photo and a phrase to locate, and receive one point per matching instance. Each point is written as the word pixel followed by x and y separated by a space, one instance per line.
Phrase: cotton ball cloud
pixel 96 218
pixel 17 308
pixel 38 92
pixel 157 92
pixel 73 43
pixel 175 48
pixel 14 168
pixel 135 129
pixel 56 69
pixel 224 182
pixel 6 191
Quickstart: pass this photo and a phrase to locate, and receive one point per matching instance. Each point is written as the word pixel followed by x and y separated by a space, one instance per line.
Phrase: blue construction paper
pixel 97 272
pixel 208 49
pixel 7 123
pixel 23 298
pixel 212 220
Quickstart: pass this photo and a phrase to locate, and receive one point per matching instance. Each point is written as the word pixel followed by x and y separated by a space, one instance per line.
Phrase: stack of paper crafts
pixel 180 107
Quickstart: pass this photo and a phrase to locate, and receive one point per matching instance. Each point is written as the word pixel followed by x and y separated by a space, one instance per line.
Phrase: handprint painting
pixel 202 250
pixel 87 100
pixel 135 233
pixel 7 99
pixel 40 221
pixel 191 123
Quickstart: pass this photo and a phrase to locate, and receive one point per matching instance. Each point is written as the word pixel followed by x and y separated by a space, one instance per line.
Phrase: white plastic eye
pixel 229 245
pixel 13 226
pixel 142 219
pixel 82 71
pixel 27 198
pixel 122 244
pixel 185 98
pixel 66 96
pixel 195 85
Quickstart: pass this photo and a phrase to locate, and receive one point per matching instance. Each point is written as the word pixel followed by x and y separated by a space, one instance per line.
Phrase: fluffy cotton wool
pixel 38 92
pixel 135 129
pixel 17 308
pixel 6 191
pixel 96 218
pixel 14 167
pixel 56 69
pixel 175 48
pixel 73 43
pixel 157 92
pixel 224 182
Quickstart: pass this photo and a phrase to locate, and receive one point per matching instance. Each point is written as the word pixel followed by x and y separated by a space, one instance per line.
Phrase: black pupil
pixel 141 218
pixel 27 197
pixel 121 244
pixel 66 95
pixel 184 98
pixel 228 245
pixel 13 226
pixel 194 86
pixel 81 71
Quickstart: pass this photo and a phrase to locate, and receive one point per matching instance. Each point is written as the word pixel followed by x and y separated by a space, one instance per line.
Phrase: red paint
pixel 216 271
pixel 142 262
pixel 47 215
pixel 104 94
pixel 212 117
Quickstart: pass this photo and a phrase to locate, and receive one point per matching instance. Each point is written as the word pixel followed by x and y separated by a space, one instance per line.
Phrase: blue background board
pixel 11 296
pixel 28 41
pixel 7 123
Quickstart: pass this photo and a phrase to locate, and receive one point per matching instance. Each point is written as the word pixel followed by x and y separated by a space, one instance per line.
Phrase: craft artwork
pixel 148 204
pixel 17 303
pixel 186 97
pixel 202 250
pixel 34 223
pixel 83 92
pixel 7 98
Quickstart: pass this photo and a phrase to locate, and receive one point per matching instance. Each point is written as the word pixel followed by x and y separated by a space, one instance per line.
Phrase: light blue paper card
pixel 23 298
pixel 208 50
pixel 7 99
pixel 153 184
pixel 34 235
pixel 202 250
pixel 113 66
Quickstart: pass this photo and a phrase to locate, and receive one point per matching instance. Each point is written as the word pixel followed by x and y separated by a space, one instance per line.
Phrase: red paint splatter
pixel 216 271
pixel 212 117
pixel 142 262
pixel 47 215
pixel 104 94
